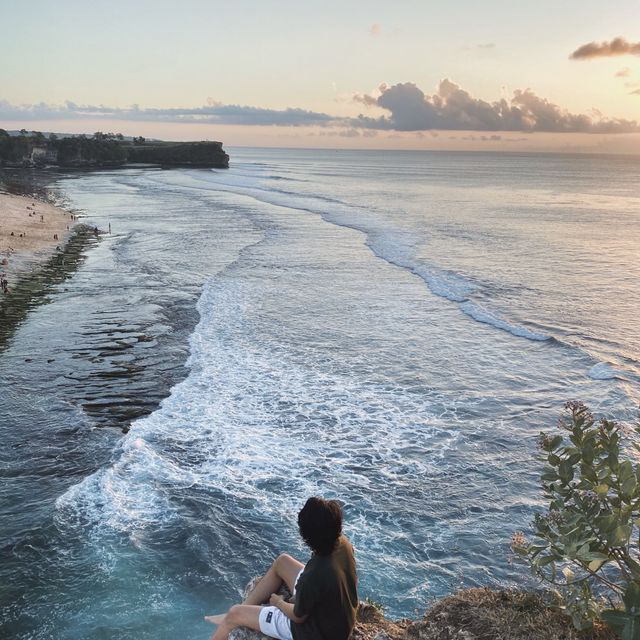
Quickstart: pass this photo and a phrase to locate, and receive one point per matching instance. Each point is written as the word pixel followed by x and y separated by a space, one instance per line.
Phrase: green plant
pixel 378 606
pixel 586 545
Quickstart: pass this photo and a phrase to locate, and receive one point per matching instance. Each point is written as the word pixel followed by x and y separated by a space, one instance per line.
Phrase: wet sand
pixel 30 233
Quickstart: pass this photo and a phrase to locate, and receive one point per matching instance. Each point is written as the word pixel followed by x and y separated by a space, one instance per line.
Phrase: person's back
pixel 326 596
pixel 325 589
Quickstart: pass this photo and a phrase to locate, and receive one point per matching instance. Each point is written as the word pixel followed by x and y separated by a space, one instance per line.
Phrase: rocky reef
pixel 106 150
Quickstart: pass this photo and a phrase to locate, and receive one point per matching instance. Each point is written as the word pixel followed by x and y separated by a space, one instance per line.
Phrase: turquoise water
pixel 390 329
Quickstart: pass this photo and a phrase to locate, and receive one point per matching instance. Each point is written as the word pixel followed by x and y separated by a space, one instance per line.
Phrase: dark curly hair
pixel 320 524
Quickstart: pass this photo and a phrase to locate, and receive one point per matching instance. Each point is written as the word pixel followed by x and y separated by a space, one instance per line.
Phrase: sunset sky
pixel 496 74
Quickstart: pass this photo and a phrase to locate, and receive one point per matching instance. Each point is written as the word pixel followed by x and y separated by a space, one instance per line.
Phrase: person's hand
pixel 275 600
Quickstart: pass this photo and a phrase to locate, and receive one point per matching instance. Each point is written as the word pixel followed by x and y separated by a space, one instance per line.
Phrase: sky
pixel 496 74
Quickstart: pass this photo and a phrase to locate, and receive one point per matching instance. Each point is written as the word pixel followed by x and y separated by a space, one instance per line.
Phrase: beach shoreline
pixel 31 232
pixel 40 246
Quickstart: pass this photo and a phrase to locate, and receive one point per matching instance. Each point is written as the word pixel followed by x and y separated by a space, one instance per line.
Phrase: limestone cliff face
pixel 24 151
pixel 81 151
pixel 184 154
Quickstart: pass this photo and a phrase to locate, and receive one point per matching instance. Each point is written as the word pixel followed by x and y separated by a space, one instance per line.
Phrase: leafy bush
pixel 586 545
pixel 101 150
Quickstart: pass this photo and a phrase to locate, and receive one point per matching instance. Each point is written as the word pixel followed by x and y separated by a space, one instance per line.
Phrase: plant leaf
pixel 631 630
pixel 615 618
pixel 620 536
pixel 631 599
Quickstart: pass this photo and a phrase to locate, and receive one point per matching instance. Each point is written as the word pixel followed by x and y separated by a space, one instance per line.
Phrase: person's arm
pixel 286 608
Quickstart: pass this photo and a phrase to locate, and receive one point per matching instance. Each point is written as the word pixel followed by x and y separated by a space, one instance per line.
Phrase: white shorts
pixel 274 623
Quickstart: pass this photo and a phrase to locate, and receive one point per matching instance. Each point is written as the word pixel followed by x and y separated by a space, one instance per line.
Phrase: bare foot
pixel 219 619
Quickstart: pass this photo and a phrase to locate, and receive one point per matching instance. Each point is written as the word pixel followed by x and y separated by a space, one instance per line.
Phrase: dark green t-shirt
pixel 326 593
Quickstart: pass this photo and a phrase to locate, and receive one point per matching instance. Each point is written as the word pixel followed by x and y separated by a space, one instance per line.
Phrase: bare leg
pixel 284 569
pixel 219 619
pixel 240 615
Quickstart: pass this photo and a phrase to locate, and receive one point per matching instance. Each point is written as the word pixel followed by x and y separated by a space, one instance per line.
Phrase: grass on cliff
pixel 479 614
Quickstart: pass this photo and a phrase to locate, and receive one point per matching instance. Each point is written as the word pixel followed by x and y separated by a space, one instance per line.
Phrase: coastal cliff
pixel 184 154
pixel 472 614
pixel 106 150
pixel 468 614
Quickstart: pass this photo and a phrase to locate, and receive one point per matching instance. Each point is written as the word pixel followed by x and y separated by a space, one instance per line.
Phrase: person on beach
pixel 325 598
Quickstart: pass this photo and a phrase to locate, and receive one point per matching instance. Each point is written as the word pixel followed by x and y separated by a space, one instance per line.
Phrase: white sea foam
pixel 487 317
pixel 251 426
pixel 400 248
pixel 390 244
pixel 604 371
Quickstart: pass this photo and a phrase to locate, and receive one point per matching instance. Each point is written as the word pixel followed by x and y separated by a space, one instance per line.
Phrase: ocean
pixel 390 329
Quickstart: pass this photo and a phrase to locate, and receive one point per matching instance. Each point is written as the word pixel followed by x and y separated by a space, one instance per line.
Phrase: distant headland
pixel 103 150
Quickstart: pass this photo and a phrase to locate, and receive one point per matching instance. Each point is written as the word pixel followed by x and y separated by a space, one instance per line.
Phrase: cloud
pixel 453 108
pixel 349 133
pixel 375 29
pixel 492 138
pixel 635 93
pixel 623 73
pixel 404 108
pixel 370 99
pixel 213 113
pixel 617 47
pixel 484 46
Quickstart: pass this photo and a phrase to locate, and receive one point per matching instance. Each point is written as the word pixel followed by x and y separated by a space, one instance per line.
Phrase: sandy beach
pixel 30 232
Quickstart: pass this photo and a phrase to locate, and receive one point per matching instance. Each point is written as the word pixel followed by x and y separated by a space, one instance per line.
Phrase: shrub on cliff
pixel 82 150
pixel 586 545
pixel 14 148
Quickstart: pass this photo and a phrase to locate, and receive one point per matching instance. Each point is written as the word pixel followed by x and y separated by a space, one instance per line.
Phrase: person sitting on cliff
pixel 325 597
